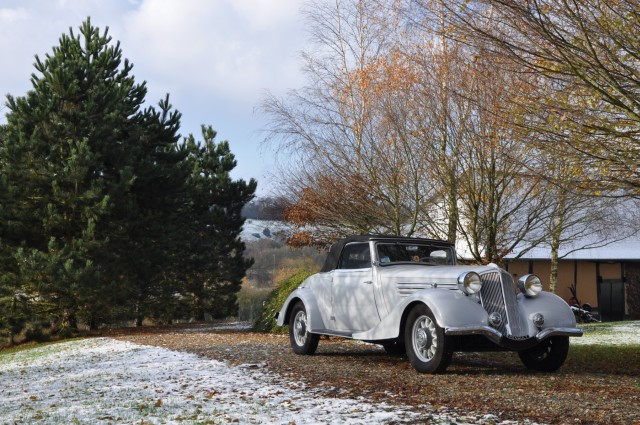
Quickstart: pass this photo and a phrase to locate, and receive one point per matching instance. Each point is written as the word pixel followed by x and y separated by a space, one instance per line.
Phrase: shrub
pixel 266 322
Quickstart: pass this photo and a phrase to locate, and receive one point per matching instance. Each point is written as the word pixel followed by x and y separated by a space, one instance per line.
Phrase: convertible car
pixel 408 295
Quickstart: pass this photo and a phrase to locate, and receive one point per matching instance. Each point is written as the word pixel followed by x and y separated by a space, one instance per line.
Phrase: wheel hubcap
pixel 300 328
pixel 425 338
pixel 422 338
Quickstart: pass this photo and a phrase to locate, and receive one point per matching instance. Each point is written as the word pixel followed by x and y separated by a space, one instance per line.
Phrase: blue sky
pixel 216 58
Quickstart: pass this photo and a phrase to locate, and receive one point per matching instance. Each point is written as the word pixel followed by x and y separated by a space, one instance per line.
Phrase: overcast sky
pixel 216 58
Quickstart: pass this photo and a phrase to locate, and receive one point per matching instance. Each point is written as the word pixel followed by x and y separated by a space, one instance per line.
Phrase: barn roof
pixel 588 249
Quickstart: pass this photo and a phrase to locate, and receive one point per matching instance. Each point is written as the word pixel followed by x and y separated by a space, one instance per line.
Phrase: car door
pixel 321 288
pixel 352 289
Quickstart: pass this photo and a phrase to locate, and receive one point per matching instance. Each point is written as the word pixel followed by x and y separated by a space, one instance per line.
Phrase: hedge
pixel 266 321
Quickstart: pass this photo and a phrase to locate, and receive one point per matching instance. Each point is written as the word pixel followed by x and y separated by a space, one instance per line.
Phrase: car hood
pixel 415 273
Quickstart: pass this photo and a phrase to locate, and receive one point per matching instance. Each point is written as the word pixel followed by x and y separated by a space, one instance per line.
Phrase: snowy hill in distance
pixel 255 230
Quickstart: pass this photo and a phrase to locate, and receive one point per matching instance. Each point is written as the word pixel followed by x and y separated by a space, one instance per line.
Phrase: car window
pixel 389 253
pixel 355 256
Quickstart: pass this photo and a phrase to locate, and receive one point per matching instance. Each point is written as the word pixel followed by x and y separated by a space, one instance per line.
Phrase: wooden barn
pixel 606 277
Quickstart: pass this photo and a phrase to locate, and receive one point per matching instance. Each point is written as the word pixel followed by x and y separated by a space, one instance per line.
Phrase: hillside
pixel 255 230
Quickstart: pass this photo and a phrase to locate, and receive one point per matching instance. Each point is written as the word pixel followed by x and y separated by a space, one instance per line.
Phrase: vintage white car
pixel 409 295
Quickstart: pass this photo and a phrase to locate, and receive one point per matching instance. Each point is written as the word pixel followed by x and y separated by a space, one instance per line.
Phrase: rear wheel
pixel 547 356
pixel 428 349
pixel 302 341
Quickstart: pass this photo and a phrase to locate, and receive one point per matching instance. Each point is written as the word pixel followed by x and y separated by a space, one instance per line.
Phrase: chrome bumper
pixel 487 331
pixel 546 333
pixel 496 336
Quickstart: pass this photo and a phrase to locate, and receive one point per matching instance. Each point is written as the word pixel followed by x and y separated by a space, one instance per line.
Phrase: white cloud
pixel 12 15
pixel 34 27
pixel 230 48
pixel 215 58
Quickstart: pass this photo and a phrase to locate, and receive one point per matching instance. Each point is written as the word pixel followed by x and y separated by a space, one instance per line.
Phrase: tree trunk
pixel 138 313
pixel 556 233
pixel 452 201
pixel 200 315
pixel 553 278
pixel 69 319
pixel 93 324
pixel 13 314
pixel 200 310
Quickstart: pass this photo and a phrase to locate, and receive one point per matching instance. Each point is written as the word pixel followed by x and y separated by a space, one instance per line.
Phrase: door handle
pixel 368 282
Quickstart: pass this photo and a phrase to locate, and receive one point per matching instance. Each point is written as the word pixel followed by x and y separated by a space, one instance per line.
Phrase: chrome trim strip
pixel 546 333
pixel 487 331
pixel 332 333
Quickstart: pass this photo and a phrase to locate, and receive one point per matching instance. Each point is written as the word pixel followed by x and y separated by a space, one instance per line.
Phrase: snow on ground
pixel 100 381
pixel 620 333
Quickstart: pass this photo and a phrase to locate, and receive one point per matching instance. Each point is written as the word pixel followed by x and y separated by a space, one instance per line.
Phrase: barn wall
pixel 586 276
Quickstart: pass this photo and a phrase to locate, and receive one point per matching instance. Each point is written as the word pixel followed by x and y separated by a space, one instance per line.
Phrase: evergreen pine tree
pixel 154 231
pixel 67 163
pixel 216 266
pixel 104 215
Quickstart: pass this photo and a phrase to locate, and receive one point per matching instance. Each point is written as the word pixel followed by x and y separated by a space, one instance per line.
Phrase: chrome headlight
pixel 469 283
pixel 530 285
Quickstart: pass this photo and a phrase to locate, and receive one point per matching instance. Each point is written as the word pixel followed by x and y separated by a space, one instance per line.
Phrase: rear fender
pixel 305 295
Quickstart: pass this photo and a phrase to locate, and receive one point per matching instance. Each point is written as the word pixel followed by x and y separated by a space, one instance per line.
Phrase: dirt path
pixel 494 383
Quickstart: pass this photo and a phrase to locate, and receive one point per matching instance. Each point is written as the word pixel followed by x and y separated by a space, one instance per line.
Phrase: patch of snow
pixel 628 334
pixel 634 328
pixel 105 381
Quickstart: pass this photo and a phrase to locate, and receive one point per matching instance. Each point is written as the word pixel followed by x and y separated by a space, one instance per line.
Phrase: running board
pixel 332 333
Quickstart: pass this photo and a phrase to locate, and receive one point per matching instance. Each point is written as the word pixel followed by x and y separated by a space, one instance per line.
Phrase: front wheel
pixel 428 349
pixel 302 341
pixel 547 356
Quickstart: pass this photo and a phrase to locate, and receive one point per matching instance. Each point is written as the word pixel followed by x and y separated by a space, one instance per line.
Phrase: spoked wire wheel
pixel 424 338
pixel 428 349
pixel 300 327
pixel 302 341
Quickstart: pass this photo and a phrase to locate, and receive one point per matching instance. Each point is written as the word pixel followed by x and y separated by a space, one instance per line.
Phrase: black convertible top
pixel 333 257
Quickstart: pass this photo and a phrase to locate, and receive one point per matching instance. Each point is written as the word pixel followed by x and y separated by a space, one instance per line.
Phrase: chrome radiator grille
pixel 498 295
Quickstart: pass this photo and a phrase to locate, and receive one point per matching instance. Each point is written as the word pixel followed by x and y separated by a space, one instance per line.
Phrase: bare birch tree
pixel 588 53
pixel 405 127
pixel 358 165
pixel 495 203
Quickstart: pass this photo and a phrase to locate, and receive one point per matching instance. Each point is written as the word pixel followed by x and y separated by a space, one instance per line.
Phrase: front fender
pixel 556 312
pixel 314 318
pixel 450 309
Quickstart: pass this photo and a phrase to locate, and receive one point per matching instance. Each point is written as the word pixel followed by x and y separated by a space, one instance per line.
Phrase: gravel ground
pixel 602 386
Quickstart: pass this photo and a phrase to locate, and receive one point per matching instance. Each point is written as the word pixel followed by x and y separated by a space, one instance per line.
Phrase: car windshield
pixel 390 253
